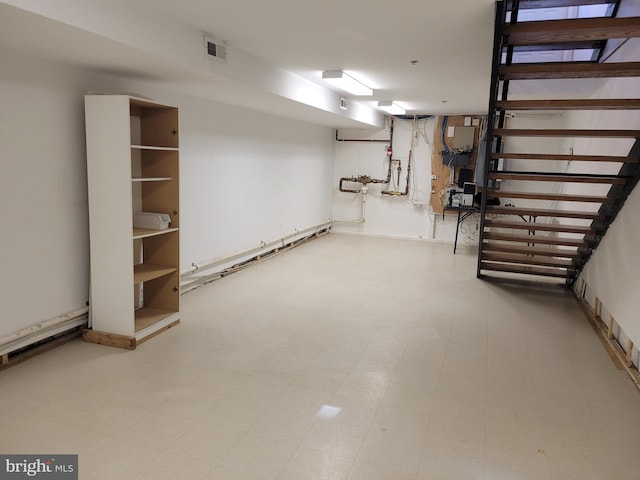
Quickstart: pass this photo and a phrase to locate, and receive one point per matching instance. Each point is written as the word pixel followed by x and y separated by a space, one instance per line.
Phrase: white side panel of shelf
pixel 110 220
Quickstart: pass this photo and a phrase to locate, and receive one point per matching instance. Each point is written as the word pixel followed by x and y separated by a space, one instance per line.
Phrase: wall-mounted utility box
pixel 456 159
pixel 463 138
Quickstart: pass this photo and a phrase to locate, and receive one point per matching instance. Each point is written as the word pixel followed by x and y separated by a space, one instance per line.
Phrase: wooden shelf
pixel 148 232
pixel 145 272
pixel 132 145
pixel 150 179
pixel 147 317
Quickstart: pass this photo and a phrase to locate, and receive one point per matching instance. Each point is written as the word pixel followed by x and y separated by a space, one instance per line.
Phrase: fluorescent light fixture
pixel 391 108
pixel 347 83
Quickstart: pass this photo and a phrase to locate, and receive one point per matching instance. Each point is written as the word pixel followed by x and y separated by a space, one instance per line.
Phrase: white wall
pixel 533 144
pixel 245 177
pixel 43 193
pixel 248 177
pixel 408 216
pixel 395 216
pixel 612 271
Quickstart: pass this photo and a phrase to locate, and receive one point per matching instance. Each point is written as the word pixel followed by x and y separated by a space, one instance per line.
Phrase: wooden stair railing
pixel 563 158
pixel 552 239
pixel 551 196
pixel 569 31
pixel 559 177
pixel 551 71
pixel 571 104
pixel 541 227
pixel 532 4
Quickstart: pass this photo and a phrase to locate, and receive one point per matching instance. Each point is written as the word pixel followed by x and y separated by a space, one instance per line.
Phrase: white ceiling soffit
pixel 276 50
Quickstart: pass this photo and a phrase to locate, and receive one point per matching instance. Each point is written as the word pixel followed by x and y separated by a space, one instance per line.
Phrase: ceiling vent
pixel 214 49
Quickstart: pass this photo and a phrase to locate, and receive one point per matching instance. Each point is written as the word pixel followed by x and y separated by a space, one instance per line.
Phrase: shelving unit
pixel 132 166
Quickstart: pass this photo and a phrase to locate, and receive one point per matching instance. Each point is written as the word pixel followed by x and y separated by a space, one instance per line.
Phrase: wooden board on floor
pixel 109 339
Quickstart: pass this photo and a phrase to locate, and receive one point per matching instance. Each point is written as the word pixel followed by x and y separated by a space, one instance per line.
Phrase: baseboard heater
pixel 41 331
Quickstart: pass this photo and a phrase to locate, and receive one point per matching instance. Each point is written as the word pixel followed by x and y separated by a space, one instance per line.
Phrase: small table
pixel 463 214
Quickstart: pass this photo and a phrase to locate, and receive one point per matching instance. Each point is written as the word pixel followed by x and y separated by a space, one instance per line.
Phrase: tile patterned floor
pixel 347 358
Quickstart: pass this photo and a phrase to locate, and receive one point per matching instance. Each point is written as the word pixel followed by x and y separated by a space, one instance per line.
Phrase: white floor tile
pixel 310 464
pixel 335 438
pixel 346 358
pixel 260 457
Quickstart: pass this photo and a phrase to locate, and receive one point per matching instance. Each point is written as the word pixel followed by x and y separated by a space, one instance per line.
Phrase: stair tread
pixel 558 177
pixel 552 132
pixel 551 196
pixel 546 47
pixel 540 239
pixel 531 4
pixel 525 269
pixel 527 250
pixel 572 30
pixel 555 70
pixel 544 212
pixel 564 158
pixel 571 104
pixel 527 259
pixel 543 227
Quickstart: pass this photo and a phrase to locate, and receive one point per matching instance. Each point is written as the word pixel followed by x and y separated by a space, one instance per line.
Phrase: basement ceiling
pixel 430 57
pixel 377 41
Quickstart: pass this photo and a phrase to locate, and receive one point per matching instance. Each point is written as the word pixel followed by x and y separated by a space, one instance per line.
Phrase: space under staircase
pixel 550 240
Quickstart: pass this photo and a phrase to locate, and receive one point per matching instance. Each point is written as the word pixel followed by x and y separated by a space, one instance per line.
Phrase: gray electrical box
pixel 463 138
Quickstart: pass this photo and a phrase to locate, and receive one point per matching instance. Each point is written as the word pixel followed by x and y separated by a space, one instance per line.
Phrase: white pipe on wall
pixel 363 191
pixel 48 327
pixel 43 325
pixel 252 250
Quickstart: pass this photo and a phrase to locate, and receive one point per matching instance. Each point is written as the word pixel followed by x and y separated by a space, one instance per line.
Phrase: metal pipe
pixel 359 140
pixel 363 179
pixel 406 188
pixel 348 179
pixel 364 191
pixel 242 253
pixel 43 326
pixel 210 277
pixel 366 179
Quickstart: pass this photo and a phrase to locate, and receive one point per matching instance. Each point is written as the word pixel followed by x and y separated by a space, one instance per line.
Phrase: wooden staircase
pixel 526 227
